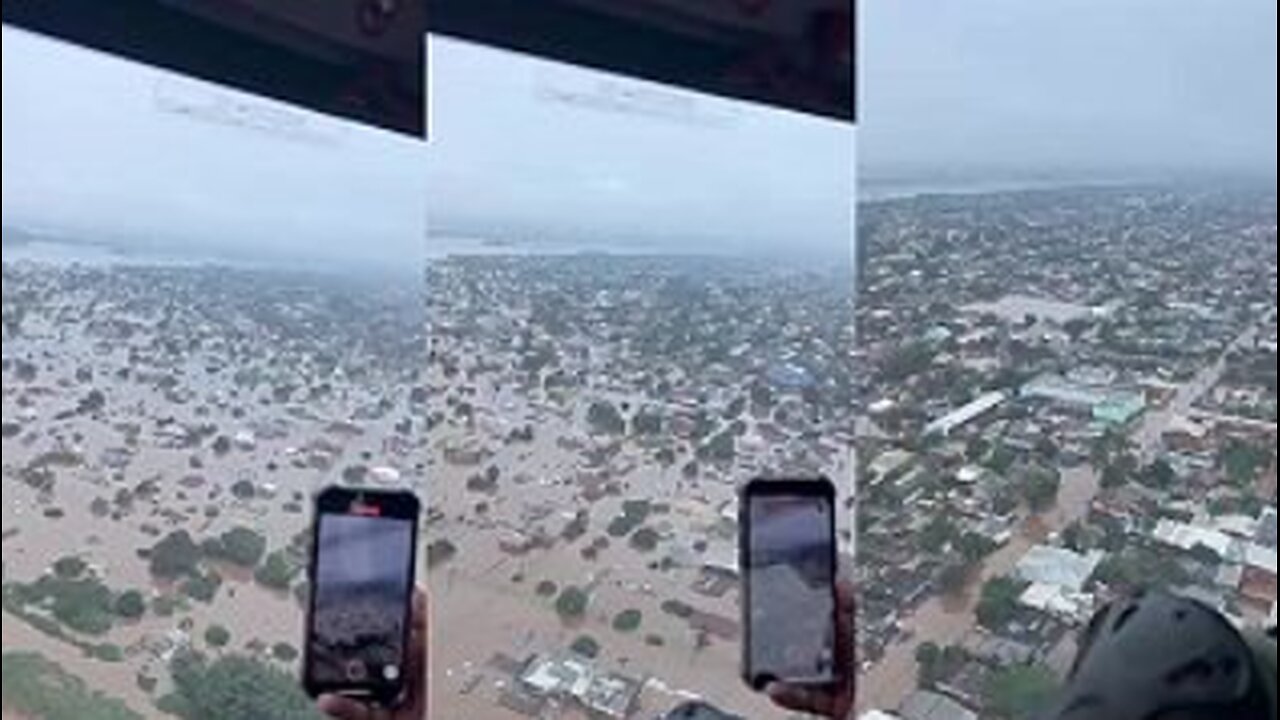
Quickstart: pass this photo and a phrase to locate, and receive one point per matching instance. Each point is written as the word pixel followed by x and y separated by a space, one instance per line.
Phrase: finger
pixel 797 699
pixel 421 616
pixel 846 597
pixel 340 708
pixel 416 698
pixel 846 622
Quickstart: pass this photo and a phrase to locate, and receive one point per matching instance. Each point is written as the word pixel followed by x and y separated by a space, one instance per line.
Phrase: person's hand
pixel 837 702
pixel 416 699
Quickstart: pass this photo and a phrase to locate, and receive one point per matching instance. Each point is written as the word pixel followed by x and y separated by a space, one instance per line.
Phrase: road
pixel 1151 431
pixel 948 621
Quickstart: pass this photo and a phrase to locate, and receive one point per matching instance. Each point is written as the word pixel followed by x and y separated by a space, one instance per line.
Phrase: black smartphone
pixel 360 620
pixel 789 567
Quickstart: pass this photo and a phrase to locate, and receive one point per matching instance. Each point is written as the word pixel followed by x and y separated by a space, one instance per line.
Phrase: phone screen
pixel 791 592
pixel 362 602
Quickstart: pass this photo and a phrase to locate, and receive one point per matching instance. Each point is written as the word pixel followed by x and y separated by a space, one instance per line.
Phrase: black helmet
pixel 1159 657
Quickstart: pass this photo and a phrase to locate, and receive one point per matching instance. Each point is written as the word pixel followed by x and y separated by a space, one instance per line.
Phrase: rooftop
pixel 1058 568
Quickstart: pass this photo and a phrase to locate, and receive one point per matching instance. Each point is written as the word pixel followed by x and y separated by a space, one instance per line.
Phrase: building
pixel 975 410
pixel 1058 579
pixel 1267 529
pixel 1120 410
pixel 1059 568
pixel 1186 537
pixel 1103 404
pixel 604 695
pixel 932 706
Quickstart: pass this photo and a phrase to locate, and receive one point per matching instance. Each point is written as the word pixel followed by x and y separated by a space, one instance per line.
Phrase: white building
pixel 944 426
pixel 1058 580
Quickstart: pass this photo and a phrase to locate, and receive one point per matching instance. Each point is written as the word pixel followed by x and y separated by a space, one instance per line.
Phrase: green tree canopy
pixel 235 688
pixel 1021 693
pixel 217 636
pixel 176 556
pixel 999 603
pixel 239 546
pixel 131 605
pixel 573 603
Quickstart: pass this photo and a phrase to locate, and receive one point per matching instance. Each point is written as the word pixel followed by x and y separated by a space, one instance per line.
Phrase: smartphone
pixel 789 566
pixel 360 620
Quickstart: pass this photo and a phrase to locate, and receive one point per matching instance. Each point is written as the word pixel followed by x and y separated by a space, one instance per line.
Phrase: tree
pixel 217 636
pixel 131 605
pixel 235 688
pixel 648 424
pixel 1205 555
pixel 276 573
pixel 239 546
pixel 628 621
pixel 1002 459
pixel 244 490
pixel 954 578
pixel 284 653
pixel 928 660
pixel 645 540
pixel 1048 449
pixel 35 687
pixel 70 568
pixel 666 457
pixel 1077 328
pixel 222 446
pixel 907 362
pixel 1113 477
pixel 977 449
pixel 93 403
pixel 1021 693
pixel 761 396
pixel 1040 489
pixel 975 548
pixel 939 533
pixel 1159 475
pixel 604 419
pixel 723 448
pixel 999 603
pixel 176 556
pixel 1074 537
pixel 441 552
pixel 202 587
pixel 84 605
pixel 355 475
pixel 1242 462
pixel 12 430
pixel 573 604
pixel 586 647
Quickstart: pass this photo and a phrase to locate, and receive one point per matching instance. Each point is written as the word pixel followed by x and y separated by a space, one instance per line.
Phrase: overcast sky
pixel 1112 87
pixel 522 151
pixel 90 153
pixel 530 152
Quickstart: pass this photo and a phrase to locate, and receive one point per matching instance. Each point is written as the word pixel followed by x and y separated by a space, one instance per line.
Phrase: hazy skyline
pixel 522 151
pixel 1106 88
pixel 93 149
pixel 548 153
pixel 535 153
